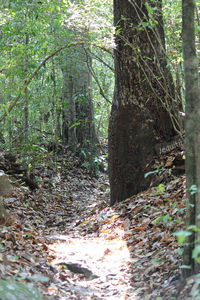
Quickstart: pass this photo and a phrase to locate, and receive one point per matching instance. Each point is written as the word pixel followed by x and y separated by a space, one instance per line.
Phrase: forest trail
pixel 53 238
pixel 67 241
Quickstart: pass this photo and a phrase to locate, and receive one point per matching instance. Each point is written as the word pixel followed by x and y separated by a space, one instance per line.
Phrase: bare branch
pixel 28 81
pixel 96 80
pixel 102 61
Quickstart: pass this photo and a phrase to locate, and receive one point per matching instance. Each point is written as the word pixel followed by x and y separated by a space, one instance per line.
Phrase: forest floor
pixel 66 240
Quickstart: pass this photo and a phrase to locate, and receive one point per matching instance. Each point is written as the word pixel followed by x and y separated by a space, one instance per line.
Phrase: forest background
pixel 33 30
pixel 57 75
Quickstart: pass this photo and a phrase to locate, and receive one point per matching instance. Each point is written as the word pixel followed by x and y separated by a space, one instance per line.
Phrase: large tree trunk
pixel 192 134
pixel 144 109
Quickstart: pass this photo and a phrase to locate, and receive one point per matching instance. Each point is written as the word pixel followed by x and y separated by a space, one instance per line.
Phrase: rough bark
pixel 144 109
pixel 192 133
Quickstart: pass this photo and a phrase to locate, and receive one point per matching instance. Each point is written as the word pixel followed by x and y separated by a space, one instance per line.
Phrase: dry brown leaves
pixel 129 248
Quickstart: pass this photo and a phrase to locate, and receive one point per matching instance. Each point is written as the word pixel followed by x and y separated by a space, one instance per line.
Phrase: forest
pixel 99 149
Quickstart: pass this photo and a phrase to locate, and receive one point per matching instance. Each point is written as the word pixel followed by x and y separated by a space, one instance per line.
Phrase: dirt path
pixel 93 263
pixel 68 242
pixel 54 236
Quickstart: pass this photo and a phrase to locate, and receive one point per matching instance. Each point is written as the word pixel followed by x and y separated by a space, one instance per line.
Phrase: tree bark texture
pixel 144 110
pixel 192 133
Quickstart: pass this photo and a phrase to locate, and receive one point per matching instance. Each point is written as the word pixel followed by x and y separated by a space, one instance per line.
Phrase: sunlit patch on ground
pixel 72 246
pixel 108 259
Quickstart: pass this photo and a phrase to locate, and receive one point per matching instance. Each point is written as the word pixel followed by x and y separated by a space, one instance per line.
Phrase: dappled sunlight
pixel 108 259
pixel 93 193
pixel 111 254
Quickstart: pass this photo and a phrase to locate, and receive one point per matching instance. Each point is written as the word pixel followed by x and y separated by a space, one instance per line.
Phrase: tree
pixel 144 109
pixel 33 106
pixel 78 116
pixel 192 138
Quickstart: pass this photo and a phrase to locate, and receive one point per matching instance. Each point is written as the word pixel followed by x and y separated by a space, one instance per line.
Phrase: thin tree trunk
pixel 192 133
pixel 69 107
pixel 26 96
pixel 78 106
pixel 86 132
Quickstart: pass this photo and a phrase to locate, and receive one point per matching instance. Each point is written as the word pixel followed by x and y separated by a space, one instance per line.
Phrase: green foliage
pixel 11 289
pixel 195 292
pixel 30 31
pixel 75 124
pixel 92 162
pixel 173 36
pixel 163 219
pixel 161 188
pixel 182 235
pixel 159 170
pixel 196 253
pixel 193 189
pixel 150 173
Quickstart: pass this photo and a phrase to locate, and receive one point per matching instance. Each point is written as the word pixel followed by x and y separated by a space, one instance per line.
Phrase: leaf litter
pixel 66 240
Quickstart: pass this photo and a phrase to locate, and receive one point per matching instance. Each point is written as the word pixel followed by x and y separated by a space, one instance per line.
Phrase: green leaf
pixel 180 251
pixel 149 9
pixel 182 235
pixel 75 124
pixel 193 189
pixel 167 199
pixel 193 228
pixel 161 187
pixel 185 267
pixel 149 173
pixel 164 219
pixel 196 253
pixel 156 261
pixel 13 258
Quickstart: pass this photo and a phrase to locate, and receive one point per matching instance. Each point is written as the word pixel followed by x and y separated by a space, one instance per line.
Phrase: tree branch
pixel 28 81
pixel 96 80
pixel 102 61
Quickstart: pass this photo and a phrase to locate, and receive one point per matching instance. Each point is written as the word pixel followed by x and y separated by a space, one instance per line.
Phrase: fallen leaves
pixel 129 248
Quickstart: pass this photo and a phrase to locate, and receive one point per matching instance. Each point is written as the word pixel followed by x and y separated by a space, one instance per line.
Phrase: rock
pixel 3 214
pixel 5 189
pixel 77 268
pixel 5 186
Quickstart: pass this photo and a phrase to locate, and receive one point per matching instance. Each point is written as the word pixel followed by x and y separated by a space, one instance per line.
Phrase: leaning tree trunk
pixel 144 110
pixel 192 135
